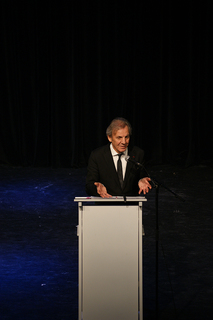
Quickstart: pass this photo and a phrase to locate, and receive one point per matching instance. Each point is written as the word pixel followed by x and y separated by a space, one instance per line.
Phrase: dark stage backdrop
pixel 69 67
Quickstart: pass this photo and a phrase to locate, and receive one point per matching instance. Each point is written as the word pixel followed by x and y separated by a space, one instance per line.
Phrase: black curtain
pixel 69 67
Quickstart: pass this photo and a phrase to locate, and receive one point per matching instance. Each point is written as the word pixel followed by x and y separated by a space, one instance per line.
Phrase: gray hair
pixel 117 124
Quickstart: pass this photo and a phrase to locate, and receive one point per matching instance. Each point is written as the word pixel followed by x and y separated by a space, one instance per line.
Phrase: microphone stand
pixel 156 184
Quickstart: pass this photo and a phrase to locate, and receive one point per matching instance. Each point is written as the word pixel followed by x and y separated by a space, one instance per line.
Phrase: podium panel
pixel 110 259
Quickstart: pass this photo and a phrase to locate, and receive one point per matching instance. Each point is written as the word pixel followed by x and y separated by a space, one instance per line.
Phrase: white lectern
pixel 110 258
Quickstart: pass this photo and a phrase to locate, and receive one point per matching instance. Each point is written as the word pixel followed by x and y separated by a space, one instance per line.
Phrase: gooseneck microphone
pixel 152 181
pixel 127 158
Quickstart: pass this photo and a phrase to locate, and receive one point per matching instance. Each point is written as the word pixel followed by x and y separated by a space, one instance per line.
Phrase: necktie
pixel 119 170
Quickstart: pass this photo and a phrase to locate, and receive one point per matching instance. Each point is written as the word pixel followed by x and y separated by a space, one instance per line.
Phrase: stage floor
pixel 39 244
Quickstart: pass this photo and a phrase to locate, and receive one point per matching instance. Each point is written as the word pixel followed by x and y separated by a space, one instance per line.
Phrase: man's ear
pixel 109 138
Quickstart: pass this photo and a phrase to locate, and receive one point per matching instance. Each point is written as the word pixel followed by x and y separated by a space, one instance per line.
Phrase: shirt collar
pixel 114 153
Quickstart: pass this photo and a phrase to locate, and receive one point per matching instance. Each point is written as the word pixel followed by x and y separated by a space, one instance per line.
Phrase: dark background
pixel 69 67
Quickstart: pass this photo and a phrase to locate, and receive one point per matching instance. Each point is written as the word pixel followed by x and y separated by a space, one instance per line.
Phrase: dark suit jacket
pixel 101 168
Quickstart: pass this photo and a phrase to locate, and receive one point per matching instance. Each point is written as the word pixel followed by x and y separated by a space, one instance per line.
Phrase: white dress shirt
pixel 115 159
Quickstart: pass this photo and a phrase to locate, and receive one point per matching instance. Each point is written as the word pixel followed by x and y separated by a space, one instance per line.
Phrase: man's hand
pixel 101 190
pixel 144 185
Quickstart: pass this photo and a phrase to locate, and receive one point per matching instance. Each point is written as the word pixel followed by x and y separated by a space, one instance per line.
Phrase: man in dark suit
pixel 108 172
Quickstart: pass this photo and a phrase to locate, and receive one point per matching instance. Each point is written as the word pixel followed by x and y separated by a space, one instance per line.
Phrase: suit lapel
pixel 127 173
pixel 108 159
pixel 110 164
pixel 128 168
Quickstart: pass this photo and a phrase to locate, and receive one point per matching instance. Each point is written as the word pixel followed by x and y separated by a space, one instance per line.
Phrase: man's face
pixel 120 139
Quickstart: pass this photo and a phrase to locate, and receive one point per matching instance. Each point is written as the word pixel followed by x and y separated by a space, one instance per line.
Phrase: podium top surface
pixel 112 199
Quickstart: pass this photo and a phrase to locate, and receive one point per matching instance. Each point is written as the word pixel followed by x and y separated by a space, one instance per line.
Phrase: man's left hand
pixel 144 185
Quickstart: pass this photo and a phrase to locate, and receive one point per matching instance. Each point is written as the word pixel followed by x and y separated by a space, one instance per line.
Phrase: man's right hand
pixel 101 190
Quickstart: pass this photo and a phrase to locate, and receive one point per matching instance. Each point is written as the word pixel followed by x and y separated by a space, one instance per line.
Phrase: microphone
pixel 127 158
